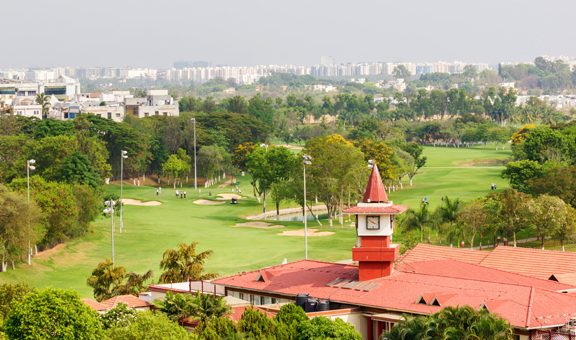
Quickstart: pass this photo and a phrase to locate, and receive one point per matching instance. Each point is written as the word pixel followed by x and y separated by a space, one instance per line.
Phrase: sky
pixel 40 33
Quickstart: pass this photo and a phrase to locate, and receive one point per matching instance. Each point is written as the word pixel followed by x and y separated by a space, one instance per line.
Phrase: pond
pixel 297 217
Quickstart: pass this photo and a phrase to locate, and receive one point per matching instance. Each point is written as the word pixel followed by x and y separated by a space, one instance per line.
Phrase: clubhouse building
pixel 535 290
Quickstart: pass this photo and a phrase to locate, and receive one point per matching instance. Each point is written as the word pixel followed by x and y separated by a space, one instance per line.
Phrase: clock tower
pixel 374 226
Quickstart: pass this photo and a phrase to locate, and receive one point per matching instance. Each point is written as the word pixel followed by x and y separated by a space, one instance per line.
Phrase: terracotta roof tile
pixel 95 305
pixel 425 252
pixel 531 262
pixel 129 300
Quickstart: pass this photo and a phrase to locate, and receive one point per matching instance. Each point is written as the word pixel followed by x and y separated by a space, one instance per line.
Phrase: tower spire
pixel 375 192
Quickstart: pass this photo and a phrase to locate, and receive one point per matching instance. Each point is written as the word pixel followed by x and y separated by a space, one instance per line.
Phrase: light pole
pixel 307 160
pixel 29 166
pixel 123 155
pixel 110 210
pixel 195 178
pixel 263 145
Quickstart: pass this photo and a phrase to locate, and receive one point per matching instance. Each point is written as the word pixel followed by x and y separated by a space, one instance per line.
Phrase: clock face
pixel 372 222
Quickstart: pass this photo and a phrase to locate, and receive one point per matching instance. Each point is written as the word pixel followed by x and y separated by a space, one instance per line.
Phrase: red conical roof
pixel 375 192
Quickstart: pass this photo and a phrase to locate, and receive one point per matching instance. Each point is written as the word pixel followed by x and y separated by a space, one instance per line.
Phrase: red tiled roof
pixel 238 311
pixel 525 302
pixel 95 305
pixel 129 300
pixel 393 209
pixel 425 252
pixel 532 262
pixel 568 278
pixel 375 191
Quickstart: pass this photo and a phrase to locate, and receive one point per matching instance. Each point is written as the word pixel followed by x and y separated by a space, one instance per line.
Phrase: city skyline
pixel 156 34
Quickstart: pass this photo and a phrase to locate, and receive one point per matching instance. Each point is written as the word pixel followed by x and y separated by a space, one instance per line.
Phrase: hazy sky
pixel 246 32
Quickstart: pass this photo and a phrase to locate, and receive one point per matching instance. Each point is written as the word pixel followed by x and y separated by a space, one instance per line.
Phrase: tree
pixel 19 226
pixel 216 329
pixel 119 316
pixel 76 168
pixel 518 173
pixel 417 219
pixel 338 170
pixel 52 313
pixel 44 101
pixel 183 264
pixel 381 153
pixel 415 150
pixel 545 144
pixel 256 325
pixel 549 214
pixel 11 294
pixel 213 160
pixel 401 72
pixel 175 167
pixel 289 317
pixel 510 211
pixel 109 280
pixel 268 166
pixel 565 225
pixel 473 220
pixel 178 306
pixel 148 326
pixel 446 215
pixel 323 328
pixel 559 182
pixel 452 323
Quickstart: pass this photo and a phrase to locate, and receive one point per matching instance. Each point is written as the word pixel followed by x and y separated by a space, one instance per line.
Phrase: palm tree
pixel 183 264
pixel 43 100
pixel 135 283
pixel 452 323
pixel 209 307
pixel 417 219
pixel 446 216
pixel 105 278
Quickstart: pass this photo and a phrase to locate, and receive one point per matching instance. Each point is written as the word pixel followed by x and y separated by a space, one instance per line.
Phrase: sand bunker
pixel 129 201
pixel 311 233
pixel 227 197
pixel 258 225
pixel 207 202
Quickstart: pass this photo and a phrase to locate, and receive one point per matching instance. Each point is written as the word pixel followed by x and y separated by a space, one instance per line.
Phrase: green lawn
pixel 464 173
pixel 151 230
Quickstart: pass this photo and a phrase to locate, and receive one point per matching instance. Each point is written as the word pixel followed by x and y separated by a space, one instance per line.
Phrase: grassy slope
pixel 151 230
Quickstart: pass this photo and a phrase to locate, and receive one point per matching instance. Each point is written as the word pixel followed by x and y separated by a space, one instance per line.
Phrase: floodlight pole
pixel 307 160
pixel 29 166
pixel 123 154
pixel 195 172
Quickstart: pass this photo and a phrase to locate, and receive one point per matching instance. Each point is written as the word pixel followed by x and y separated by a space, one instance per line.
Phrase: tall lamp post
pixel 110 210
pixel 29 166
pixel 263 145
pixel 307 160
pixel 195 178
pixel 123 155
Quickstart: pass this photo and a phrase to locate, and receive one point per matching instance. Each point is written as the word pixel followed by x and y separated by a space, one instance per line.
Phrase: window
pixel 252 299
pixel 241 296
pixel 274 300
pixel 262 300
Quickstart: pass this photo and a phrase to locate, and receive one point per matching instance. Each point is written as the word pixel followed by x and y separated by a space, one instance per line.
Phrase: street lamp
pixel 110 210
pixel 307 160
pixel 29 166
pixel 195 178
pixel 123 155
